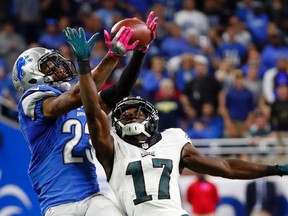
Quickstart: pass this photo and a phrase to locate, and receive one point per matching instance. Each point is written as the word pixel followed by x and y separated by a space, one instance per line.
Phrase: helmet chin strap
pixel 63 87
pixel 134 128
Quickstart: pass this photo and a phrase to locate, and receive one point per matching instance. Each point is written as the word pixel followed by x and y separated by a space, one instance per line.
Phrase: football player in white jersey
pixel 142 165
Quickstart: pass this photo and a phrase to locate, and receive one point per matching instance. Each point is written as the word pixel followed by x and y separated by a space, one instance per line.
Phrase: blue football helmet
pixel 40 66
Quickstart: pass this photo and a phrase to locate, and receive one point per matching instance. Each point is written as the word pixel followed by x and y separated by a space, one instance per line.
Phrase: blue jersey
pixel 62 168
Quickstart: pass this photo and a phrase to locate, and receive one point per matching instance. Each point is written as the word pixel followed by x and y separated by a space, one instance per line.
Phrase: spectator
pixel 193 38
pixel 274 49
pixel 215 40
pixel 52 37
pixel 253 60
pixel 28 15
pixel 257 21
pixel 270 81
pixel 279 111
pixel 243 8
pixel 150 79
pixel 209 125
pixel 260 128
pixel 63 22
pixel 253 83
pixel 5 11
pixel 209 51
pixel 277 9
pixel 107 12
pixel 8 95
pixel 203 196
pixel 93 23
pixel 3 75
pixel 57 8
pixel 184 71
pixel 224 73
pixel 284 28
pixel 190 18
pixel 261 198
pixel 203 87
pixel 131 7
pixel 216 16
pixel 197 130
pixel 232 48
pixel 171 7
pixel 174 44
pixel 167 102
pixel 242 35
pixel 239 104
pixel 12 44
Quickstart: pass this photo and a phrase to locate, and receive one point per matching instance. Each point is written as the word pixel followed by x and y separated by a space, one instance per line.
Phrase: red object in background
pixel 107 85
pixel 203 197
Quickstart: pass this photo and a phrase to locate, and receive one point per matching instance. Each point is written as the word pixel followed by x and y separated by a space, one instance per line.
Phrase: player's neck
pixel 143 141
pixel 140 138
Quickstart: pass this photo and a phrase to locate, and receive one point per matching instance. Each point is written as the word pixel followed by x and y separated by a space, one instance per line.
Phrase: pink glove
pixel 151 22
pixel 119 46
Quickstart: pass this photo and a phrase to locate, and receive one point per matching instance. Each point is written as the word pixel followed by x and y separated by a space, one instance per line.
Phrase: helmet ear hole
pixel 153 126
pixel 32 81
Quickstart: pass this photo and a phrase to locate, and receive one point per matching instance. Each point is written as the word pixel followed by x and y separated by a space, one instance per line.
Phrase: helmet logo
pixel 22 61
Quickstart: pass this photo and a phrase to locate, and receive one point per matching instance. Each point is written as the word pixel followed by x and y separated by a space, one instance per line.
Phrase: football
pixel 141 31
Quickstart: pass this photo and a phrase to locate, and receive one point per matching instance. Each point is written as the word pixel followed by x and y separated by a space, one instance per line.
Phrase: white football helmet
pixel 147 127
pixel 40 66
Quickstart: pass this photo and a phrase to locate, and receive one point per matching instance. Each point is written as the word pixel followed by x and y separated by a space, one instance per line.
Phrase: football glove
pixel 118 46
pixel 81 48
pixel 151 22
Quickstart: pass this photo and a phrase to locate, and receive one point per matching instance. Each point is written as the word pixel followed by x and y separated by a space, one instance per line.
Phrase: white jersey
pixel 146 181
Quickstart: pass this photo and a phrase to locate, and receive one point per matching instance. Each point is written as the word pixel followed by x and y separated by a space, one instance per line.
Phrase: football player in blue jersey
pixel 53 122
pixel 142 165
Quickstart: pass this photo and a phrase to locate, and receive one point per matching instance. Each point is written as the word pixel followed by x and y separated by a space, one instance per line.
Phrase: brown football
pixel 141 31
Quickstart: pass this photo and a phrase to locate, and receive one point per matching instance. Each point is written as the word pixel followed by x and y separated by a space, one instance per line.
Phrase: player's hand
pixel 283 168
pixel 118 46
pixel 81 48
pixel 151 22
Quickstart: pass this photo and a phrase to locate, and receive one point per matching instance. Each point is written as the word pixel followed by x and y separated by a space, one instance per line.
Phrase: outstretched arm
pixel 99 128
pixel 112 95
pixel 97 120
pixel 124 86
pixel 229 168
pixel 56 106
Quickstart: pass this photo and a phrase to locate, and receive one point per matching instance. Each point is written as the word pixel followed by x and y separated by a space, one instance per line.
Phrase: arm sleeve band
pixel 84 66
pixel 112 95
pixel 274 170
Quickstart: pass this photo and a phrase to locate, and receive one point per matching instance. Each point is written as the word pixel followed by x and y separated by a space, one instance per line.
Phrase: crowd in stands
pixel 218 68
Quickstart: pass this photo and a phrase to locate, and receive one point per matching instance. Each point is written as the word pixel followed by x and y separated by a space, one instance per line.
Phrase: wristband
pixel 273 170
pixel 84 66
pixel 112 55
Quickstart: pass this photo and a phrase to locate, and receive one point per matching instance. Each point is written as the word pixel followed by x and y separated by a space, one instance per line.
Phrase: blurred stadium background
pixel 239 46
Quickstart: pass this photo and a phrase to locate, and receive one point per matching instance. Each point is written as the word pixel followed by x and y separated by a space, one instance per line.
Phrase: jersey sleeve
pixel 175 139
pixel 178 134
pixel 184 136
pixel 32 100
